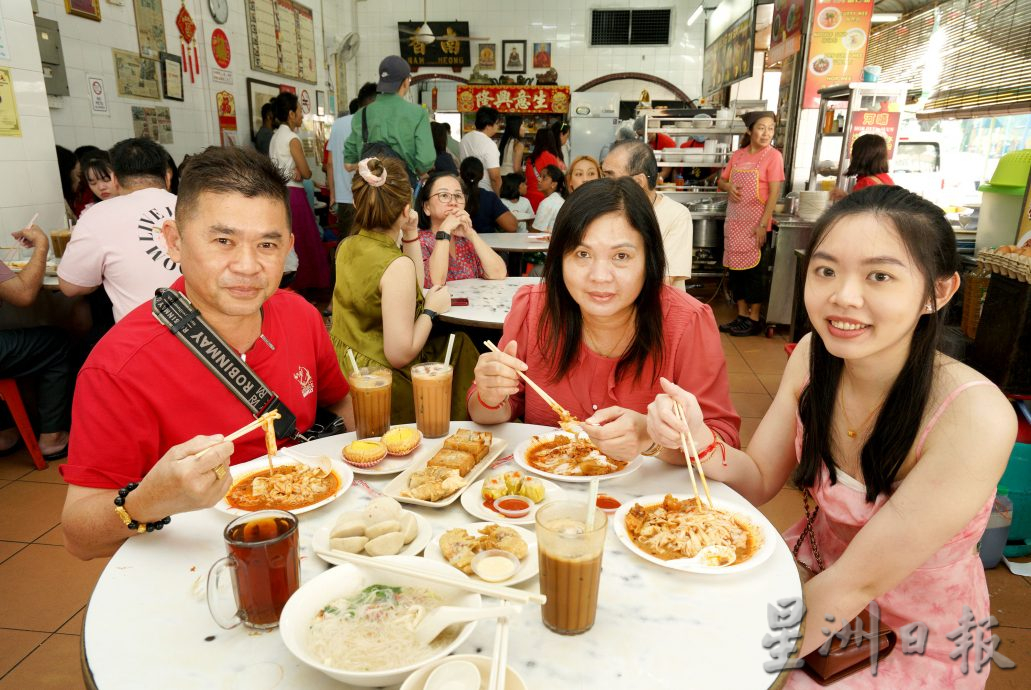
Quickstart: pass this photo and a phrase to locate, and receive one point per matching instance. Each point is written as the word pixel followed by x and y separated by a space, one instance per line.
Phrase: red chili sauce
pixel 607 502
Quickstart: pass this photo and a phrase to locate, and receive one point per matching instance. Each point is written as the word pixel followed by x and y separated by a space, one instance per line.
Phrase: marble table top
pixel 148 621
pixel 517 241
pixel 489 300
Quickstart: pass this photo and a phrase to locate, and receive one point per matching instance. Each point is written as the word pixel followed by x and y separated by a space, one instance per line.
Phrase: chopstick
pixel 540 391
pixel 266 418
pixel 499 659
pixel 496 591
pixel 684 443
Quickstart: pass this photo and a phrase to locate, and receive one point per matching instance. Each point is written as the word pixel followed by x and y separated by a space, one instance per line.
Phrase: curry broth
pixel 241 494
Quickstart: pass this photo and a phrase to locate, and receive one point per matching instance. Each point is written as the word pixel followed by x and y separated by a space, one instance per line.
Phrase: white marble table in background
pixel 148 624
pixel 489 300
pixel 516 241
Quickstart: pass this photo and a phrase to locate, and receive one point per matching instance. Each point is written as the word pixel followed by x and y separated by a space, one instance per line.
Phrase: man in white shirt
pixel 480 144
pixel 118 243
pixel 635 159
pixel 338 179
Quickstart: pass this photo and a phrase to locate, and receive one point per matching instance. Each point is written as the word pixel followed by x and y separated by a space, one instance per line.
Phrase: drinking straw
pixel 354 362
pixel 32 222
pixel 450 346
pixel 592 499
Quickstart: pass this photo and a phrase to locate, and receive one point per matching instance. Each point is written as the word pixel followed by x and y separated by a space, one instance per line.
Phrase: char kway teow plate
pixel 294 492
pixel 685 529
pixel 563 457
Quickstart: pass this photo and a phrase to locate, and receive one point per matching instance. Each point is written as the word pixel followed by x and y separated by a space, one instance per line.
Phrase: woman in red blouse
pixel 602 328
pixel 451 247
pixel 545 153
pixel 869 162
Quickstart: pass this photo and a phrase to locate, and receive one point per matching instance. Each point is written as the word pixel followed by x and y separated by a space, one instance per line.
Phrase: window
pixel 630 27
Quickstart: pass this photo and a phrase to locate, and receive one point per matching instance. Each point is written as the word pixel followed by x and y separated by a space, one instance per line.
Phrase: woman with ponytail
pixel 485 208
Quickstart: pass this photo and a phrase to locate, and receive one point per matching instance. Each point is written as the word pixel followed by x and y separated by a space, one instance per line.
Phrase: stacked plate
pixel 812 204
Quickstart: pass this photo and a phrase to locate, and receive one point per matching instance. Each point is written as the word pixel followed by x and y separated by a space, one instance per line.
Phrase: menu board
pixel 884 125
pixel 728 59
pixel 786 31
pixel 281 38
pixel 837 49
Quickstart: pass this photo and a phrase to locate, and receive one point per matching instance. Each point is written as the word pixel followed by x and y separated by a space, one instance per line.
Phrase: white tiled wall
pixel 29 182
pixel 563 23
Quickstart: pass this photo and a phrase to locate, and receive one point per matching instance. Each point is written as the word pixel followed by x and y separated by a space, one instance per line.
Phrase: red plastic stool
pixel 789 348
pixel 9 392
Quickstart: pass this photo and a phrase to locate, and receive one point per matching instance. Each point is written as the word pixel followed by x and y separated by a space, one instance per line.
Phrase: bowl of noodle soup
pixel 356 625
pixel 669 537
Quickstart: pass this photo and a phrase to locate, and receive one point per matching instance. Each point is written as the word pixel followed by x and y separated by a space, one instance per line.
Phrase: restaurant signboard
pixel 837 49
pixel 443 52
pixel 885 125
pixel 510 98
pixel 728 59
pixel 786 31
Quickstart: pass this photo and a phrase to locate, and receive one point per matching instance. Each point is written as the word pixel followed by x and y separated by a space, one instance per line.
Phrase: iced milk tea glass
pixel 570 564
pixel 431 385
pixel 370 394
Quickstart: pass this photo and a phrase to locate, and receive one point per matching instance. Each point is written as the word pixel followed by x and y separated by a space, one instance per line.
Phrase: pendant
pixel 851 434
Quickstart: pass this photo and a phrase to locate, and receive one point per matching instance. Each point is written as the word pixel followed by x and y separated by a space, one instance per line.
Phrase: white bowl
pixel 417 681
pixel 673 155
pixel 347 580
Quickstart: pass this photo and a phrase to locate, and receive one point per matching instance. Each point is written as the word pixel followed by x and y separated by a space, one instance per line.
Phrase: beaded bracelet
pixel 123 514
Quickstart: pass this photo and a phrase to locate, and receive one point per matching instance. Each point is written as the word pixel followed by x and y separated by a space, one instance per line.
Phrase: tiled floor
pixel 43 591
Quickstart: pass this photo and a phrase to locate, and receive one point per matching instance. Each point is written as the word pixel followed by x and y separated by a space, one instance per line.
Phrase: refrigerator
pixel 593 118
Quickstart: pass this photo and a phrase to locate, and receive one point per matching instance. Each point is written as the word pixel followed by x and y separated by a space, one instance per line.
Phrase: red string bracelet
pixel 717 442
pixel 414 239
pixel 490 407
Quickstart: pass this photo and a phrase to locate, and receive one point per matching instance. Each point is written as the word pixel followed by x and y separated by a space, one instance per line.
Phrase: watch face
pixel 219 10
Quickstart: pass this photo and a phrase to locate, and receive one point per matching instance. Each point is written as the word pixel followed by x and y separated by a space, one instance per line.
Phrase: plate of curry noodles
pixel 285 483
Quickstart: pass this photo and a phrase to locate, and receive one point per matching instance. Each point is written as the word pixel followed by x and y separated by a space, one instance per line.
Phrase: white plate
pixel 528 566
pixel 400 482
pixel 472 501
pixel 320 540
pixel 343 473
pixel 769 534
pixel 520 458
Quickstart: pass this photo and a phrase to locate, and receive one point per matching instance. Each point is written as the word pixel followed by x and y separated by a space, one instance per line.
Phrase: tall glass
pixel 431 385
pixel 59 240
pixel 266 569
pixel 570 564
pixel 370 393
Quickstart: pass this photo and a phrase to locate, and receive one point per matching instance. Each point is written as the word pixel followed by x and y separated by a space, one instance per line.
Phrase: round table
pixel 148 621
pixel 516 241
pixel 489 300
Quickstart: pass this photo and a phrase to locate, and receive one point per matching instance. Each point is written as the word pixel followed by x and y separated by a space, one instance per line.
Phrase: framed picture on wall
pixel 541 55
pixel 258 94
pixel 90 9
pixel 513 57
pixel 172 76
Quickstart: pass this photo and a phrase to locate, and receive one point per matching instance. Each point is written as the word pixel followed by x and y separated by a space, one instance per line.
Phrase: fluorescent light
pixel 697 13
pixel 885 17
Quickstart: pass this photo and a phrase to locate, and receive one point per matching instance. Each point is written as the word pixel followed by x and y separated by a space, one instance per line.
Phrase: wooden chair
pixel 9 392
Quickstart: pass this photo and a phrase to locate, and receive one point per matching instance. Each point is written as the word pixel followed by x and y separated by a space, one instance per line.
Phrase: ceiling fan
pixel 424 34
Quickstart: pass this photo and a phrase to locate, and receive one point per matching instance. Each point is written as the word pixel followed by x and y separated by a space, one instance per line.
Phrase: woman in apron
pixel 752 180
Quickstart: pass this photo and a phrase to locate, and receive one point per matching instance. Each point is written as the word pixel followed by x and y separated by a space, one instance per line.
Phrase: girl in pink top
pixel 602 328
pixel 899 446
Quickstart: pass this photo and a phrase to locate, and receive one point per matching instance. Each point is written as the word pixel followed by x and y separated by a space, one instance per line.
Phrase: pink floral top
pixel 465 263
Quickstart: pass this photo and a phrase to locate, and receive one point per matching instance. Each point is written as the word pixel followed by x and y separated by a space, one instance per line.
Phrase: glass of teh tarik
pixel 59 240
pixel 431 385
pixel 265 567
pixel 370 394
pixel 570 564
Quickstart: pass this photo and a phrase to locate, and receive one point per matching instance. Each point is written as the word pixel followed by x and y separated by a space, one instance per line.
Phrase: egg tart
pixel 401 440
pixel 364 453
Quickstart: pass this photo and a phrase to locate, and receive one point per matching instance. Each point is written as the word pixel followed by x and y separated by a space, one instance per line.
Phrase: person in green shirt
pixel 380 311
pixel 394 121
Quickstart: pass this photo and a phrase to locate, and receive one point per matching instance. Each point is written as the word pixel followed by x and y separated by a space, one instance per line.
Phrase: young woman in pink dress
pixel 899 445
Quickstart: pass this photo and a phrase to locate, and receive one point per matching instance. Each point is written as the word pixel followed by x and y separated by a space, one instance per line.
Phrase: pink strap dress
pixel 935 593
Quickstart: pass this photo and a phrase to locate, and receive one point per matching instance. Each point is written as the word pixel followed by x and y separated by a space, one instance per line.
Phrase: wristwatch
pixel 441 235
pixel 430 313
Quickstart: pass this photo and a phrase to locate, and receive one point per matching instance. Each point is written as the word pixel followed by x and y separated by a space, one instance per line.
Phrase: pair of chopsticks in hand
pixel 267 418
pixel 562 412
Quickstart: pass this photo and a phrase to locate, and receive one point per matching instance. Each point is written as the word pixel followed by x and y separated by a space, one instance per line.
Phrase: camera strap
pixel 175 311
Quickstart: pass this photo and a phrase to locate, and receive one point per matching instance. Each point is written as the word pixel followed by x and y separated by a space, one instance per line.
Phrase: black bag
pixel 381 150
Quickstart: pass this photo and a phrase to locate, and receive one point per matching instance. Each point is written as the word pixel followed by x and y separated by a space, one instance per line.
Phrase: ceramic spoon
pixel 438 619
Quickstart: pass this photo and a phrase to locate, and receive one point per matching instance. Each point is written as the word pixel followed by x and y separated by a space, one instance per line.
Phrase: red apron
pixel 739 246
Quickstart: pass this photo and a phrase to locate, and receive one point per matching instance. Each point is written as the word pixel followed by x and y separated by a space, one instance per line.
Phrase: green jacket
pixel 403 126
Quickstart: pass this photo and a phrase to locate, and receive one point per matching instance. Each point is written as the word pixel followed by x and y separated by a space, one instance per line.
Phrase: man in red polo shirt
pixel 145 405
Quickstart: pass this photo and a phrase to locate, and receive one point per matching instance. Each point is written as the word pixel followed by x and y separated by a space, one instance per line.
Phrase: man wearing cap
pixel 392 120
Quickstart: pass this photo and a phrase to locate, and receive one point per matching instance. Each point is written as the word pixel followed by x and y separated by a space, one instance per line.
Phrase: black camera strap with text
pixel 174 310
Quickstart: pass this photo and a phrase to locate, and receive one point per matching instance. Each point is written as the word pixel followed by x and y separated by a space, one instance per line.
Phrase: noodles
pixel 678 529
pixel 375 629
pixel 287 487
pixel 570 456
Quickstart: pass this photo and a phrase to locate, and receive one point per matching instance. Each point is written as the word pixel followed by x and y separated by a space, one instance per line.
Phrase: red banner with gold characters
pixel 837 50
pixel 226 108
pixel 513 98
pixel 885 125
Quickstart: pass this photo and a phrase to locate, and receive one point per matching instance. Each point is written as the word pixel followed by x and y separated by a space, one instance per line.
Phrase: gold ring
pixel 220 472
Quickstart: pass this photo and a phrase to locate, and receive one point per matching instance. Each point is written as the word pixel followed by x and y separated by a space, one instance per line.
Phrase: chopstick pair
pixel 496 591
pixel 693 453
pixel 261 421
pixel 562 412
pixel 499 659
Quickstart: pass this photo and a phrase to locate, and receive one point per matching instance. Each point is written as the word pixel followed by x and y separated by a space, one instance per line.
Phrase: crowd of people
pixel 610 332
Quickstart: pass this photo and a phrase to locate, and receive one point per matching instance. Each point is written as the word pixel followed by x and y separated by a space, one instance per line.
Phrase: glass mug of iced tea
pixel 370 395
pixel 266 569
pixel 570 564
pixel 431 385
